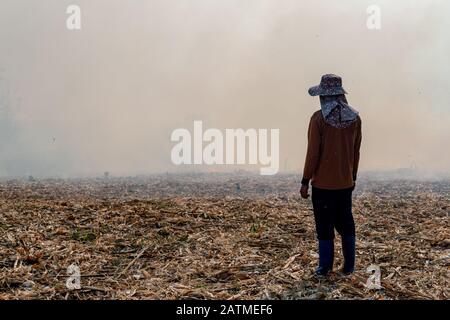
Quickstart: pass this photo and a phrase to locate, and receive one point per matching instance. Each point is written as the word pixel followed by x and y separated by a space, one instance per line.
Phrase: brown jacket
pixel 333 154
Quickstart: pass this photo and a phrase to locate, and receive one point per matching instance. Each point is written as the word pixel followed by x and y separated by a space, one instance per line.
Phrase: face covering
pixel 336 111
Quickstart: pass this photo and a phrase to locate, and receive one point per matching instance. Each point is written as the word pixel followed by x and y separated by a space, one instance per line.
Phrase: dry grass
pixel 214 237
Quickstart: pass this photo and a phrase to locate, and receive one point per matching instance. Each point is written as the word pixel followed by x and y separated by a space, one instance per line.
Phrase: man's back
pixel 333 153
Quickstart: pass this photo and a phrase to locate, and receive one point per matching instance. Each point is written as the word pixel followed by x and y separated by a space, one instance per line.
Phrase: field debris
pixel 216 236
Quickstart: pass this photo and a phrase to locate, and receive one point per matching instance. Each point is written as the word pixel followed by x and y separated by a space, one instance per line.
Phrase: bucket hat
pixel 330 85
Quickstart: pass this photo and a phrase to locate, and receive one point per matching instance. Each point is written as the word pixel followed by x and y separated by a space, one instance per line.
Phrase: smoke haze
pixel 107 97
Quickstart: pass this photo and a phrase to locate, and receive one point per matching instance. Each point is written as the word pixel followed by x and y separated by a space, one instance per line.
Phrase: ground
pixel 216 236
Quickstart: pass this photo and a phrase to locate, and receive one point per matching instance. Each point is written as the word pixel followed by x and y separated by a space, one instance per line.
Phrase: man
pixel 334 140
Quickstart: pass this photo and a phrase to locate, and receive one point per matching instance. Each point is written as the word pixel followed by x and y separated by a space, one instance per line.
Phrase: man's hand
pixel 304 191
pixel 354 184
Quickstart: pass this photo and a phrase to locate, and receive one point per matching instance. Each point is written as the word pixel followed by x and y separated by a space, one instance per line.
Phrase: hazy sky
pixel 108 96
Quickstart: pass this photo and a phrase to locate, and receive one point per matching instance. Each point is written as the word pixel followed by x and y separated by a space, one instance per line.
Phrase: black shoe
pixel 321 272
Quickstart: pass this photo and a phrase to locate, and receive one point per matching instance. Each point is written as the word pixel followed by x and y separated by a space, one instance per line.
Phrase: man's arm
pixel 356 150
pixel 313 151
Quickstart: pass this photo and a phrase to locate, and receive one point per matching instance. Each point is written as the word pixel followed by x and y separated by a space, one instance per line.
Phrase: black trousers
pixel 333 210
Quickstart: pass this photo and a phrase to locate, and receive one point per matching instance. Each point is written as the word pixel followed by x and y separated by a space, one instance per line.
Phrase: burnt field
pixel 215 236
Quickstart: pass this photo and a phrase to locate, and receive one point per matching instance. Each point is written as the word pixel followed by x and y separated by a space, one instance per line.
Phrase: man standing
pixel 334 140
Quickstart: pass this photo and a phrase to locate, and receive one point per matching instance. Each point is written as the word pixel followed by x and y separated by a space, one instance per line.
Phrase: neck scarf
pixel 337 112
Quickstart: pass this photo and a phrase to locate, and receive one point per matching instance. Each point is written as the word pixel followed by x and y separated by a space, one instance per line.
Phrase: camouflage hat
pixel 330 85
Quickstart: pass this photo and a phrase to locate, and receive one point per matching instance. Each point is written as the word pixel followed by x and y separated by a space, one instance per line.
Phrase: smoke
pixel 107 97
